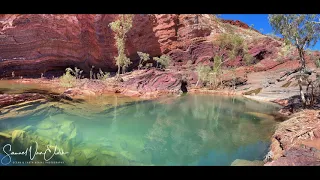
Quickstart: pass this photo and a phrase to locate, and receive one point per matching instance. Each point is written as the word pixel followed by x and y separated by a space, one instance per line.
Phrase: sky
pixel 260 21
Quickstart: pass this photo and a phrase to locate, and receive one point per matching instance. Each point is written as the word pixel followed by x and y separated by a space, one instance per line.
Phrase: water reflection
pixel 189 130
pixel 205 123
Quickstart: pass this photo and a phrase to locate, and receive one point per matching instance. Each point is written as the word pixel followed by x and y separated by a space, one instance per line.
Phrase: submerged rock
pixel 124 145
pixel 18 136
pixel 243 162
pixel 80 158
pixel 109 153
pixel 29 128
pixel 261 115
pixel 46 125
pixel 67 126
pixel 89 153
pixel 11 99
pixel 5 136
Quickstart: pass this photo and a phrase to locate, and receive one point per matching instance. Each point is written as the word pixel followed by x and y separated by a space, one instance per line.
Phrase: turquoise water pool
pixel 192 130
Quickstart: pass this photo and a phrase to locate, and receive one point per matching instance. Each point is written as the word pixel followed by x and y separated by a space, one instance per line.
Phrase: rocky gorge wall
pixel 32 44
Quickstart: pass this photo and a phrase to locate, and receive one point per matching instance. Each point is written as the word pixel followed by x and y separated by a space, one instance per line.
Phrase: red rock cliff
pixel 35 44
pixel 32 44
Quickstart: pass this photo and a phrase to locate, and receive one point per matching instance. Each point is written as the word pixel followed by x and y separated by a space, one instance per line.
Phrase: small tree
pixel 301 30
pixel 143 57
pixel 120 27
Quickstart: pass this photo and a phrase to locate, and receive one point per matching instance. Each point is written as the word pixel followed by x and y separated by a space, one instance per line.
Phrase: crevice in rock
pixel 184 86
pixel 176 27
pixel 279 141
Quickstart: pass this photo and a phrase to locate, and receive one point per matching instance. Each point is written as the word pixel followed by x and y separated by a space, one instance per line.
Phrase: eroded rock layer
pixel 32 44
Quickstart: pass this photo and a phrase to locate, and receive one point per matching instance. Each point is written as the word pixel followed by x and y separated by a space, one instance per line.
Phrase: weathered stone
pixel 297 157
pixel 292 142
pixel 152 81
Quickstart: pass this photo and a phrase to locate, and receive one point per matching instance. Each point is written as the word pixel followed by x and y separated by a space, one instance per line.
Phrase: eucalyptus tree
pixel 121 27
pixel 302 31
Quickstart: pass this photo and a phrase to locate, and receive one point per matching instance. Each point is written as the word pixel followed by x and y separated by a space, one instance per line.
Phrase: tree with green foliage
pixel 121 27
pixel 302 31
pixel 143 57
pixel 163 60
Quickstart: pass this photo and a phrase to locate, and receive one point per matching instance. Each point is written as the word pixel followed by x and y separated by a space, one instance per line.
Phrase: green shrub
pixel 164 61
pixel 217 61
pixel 232 42
pixel 248 58
pixel 102 75
pixel 68 80
pixel 235 45
pixel 203 73
pixel 143 57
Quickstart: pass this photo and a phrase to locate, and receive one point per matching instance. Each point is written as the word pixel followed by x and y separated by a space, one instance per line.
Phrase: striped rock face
pixel 32 44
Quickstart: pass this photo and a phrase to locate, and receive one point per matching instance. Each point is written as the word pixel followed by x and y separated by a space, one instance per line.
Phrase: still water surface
pixel 188 130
